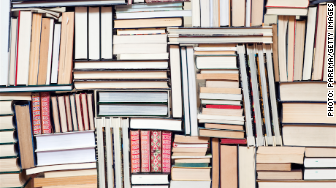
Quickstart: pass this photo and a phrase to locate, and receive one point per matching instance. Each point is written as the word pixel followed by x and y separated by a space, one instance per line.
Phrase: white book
pixel 246 167
pixel 232 118
pixel 13 40
pixel 156 124
pixel 140 39
pixel 224 6
pixel 224 96
pixel 106 32
pixel 205 13
pixel 185 86
pixel 81 35
pixel 4 33
pixel 94 33
pixel 193 184
pixel 139 48
pixel 55 54
pixel 116 123
pixel 153 14
pixel 175 67
pixel 109 153
pixel 50 50
pixel 128 56
pixel 126 146
pixel 248 13
pixel 216 62
pixel 309 46
pixel 320 162
pixel 101 155
pixel 24 47
pixel 122 65
pixel 196 13
pixel 192 91
pixel 246 95
pixel 320 174
pixel 79 166
pixel 224 102
pixel 73 112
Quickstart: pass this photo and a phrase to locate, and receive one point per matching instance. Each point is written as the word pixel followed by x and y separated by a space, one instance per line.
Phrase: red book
pixel 155 151
pixel 233 141
pixel 45 111
pixel 135 151
pixel 145 152
pixel 166 151
pixel 36 113
pixel 223 106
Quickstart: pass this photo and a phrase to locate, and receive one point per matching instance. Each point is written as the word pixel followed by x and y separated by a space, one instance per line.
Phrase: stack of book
pixel 310 125
pixel 11 174
pixel 275 163
pixel 221 97
pixel 299 7
pixel 320 164
pixel 57 150
pixel 40 49
pixel 150 152
pixel 191 163
pixel 132 103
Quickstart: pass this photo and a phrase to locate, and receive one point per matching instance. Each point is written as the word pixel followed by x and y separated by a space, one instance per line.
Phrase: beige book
pixel 214 52
pixel 281 150
pixel 274 167
pixel 222 112
pixel 68 112
pixel 221 133
pixel 44 49
pixel 298 184
pixel 222 84
pixel 188 154
pixel 55 114
pixel 228 166
pixel 60 181
pixel 189 150
pixel 257 12
pixel 190 139
pixel 304 91
pixel 73 186
pixel 220 90
pixel 176 91
pixel 275 52
pixel 290 47
pixel 191 174
pixel 35 49
pixel 218 76
pixel 246 163
pixel 238 13
pixel 69 173
pixel 223 126
pixel 292 175
pixel 320 152
pixel 280 158
pixel 215 162
pixel 62 113
pixel 320 39
pixel 282 30
pixel 300 33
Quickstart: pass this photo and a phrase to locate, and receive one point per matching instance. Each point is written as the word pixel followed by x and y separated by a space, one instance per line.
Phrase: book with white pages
pixel 116 124
pixel 120 65
pixel 319 174
pixel 109 152
pixel 205 13
pixel 156 14
pixel 78 166
pixel 60 3
pixel 220 96
pixel 216 62
pixel 185 89
pixel 320 163
pixel 143 48
pixel 55 53
pixel 140 39
pixel 106 32
pixel 156 124
pixel 94 32
pixel 13 50
pixel 100 149
pixel 221 121
pixel 246 94
pixel 81 32
pixel 222 102
pixel 5 6
pixel 175 66
pixel 126 146
pixel 228 71
pixel 50 50
pixel 151 56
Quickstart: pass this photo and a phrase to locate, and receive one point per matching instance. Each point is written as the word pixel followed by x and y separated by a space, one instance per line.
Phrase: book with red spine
pixel 36 109
pixel 145 152
pixel 45 111
pixel 166 151
pixel 135 151
pixel 155 151
pixel 233 141
pixel 223 106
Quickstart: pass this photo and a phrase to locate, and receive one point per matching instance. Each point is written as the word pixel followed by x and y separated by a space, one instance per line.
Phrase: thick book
pixel 155 151
pixel 166 151
pixel 145 151
pixel 229 166
pixel 215 162
pixel 81 35
pixel 176 81
pixel 45 112
pixel 135 151
pixel 246 167
pixel 36 109
pixel 35 49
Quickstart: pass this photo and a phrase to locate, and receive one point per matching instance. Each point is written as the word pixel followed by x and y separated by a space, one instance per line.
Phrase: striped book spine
pixel 156 151
pixel 135 151
pixel 45 111
pixel 166 151
pixel 145 152
pixel 36 113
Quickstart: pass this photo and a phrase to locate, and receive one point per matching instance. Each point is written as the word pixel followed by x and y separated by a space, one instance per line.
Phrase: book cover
pixel 156 157
pixel 45 111
pixel 166 151
pixel 36 113
pixel 135 151
pixel 145 153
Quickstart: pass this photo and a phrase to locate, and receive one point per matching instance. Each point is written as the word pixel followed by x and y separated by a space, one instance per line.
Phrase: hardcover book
pixel 135 151
pixel 156 157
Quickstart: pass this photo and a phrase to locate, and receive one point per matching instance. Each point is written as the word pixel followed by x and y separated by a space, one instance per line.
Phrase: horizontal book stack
pixel 310 125
pixel 191 163
pixel 11 174
pixel 277 163
pixel 319 164
pixel 40 50
pixel 220 95
pixel 133 103
pixel 150 152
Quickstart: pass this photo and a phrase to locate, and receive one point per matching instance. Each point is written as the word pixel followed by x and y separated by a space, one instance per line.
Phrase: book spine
pixel 223 106
pixel 166 151
pixel 156 151
pixel 135 152
pixel 145 153
pixel 233 141
pixel 45 111
pixel 36 113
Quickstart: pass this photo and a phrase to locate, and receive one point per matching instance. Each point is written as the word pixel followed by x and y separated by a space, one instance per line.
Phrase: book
pixel 72 3
pixel 139 39
pixel 42 182
pixel 246 167
pixel 303 91
pixel 185 90
pixel 5 14
pixel 296 184
pixel 36 109
pixel 228 166
pixel 9 165
pixel 196 184
pixel 90 110
pixel 287 11
pixel 35 49
pixel 62 114
pixel 155 151
pixel 121 65
pixel 106 32
pixel 176 81
pixel 282 29
pixel 143 48
pixel 145 151
pixel 135 151
pixel 288 3
pixel 133 110
pixel 24 132
pixel 299 48
pixel 323 135
pixel 205 13
pixel 125 146
pixel 291 175
pixel 13 180
pixel 55 56
pixel 68 112
pixel 319 174
pixel 45 112
pixel 151 22
pixel 273 167
pixel 156 124
pixel 79 112
pixel 238 13
pixel 6 123
pixel 216 62
pixel 215 147
pixel 7 137
pixel 66 173
pixel 257 12
pixel 55 111
pixel 190 174
pixel 85 112
pixel 94 32
pixel 73 112
pixel 13 51
pixel 81 24
pixel 47 29
pixel 78 166
pixel 319 162
pixel 290 47
pixel 320 152
pixel 166 151
pixel 156 14
pixel 149 179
